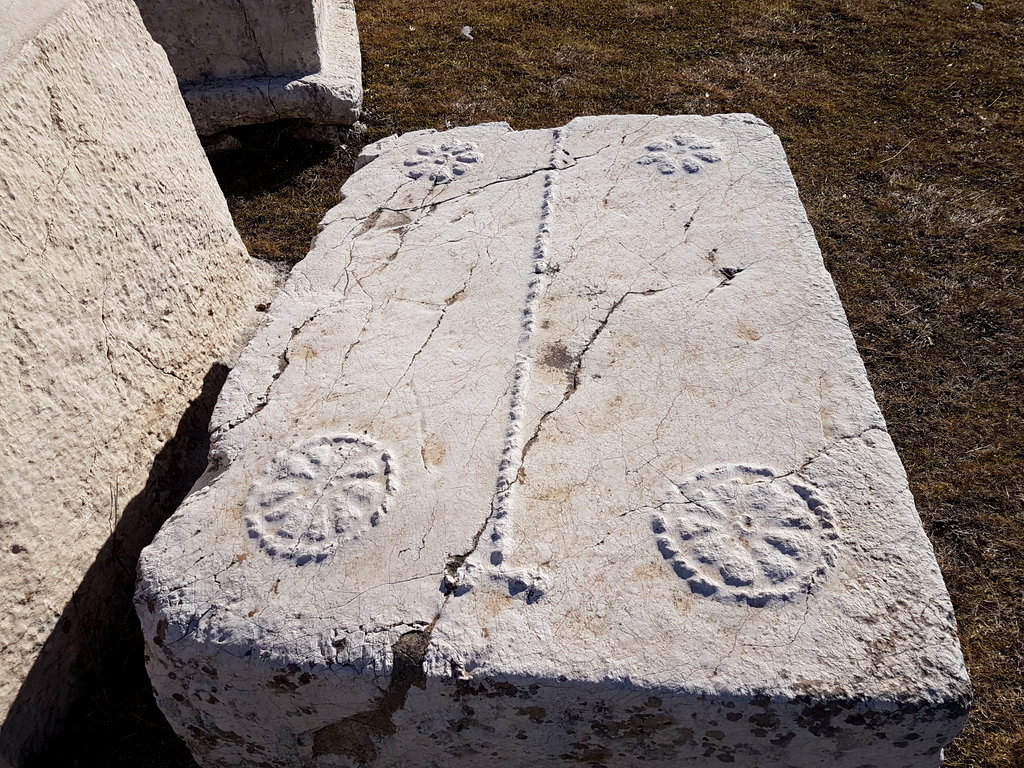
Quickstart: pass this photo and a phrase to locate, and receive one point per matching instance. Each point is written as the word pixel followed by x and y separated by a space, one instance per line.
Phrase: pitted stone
pixel 249 61
pixel 647 506
pixel 123 283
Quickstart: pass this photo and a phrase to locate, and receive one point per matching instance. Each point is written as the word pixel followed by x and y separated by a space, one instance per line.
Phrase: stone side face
pixel 556 448
pixel 122 281
pixel 253 61
pixel 208 40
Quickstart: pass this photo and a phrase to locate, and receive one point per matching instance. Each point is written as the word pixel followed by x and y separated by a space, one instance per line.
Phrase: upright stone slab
pixel 557 448
pixel 252 61
pixel 122 283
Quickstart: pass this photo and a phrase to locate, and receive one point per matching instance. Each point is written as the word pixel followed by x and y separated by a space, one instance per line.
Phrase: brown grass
pixel 902 121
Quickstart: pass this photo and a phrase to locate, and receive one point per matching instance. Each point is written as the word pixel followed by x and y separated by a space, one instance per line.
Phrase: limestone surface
pixel 251 61
pixel 557 448
pixel 122 281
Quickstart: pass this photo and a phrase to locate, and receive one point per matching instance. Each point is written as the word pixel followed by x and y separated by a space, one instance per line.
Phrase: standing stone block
pixel 122 282
pixel 253 61
pixel 557 448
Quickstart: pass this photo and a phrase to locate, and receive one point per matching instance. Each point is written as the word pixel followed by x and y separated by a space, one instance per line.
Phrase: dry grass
pixel 902 121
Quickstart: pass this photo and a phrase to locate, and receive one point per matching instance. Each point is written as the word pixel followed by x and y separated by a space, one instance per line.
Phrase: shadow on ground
pixel 265 158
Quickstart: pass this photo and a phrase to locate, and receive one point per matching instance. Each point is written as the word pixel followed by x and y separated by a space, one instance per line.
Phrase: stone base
pixel 241 62
pixel 318 98
pixel 556 449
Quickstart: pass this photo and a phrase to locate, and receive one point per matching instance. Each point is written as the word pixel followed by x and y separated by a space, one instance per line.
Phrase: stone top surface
pixel 581 405
pixel 21 20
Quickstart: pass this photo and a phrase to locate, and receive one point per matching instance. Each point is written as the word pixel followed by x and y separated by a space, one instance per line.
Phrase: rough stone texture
pixel 557 448
pixel 122 280
pixel 253 61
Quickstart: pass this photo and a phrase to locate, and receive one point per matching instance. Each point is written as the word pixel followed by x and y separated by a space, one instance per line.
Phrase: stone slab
pixel 122 281
pixel 557 448
pixel 240 62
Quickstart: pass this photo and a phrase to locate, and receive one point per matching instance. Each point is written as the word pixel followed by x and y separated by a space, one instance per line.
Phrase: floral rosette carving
pixel 444 163
pixel 745 534
pixel 679 154
pixel 318 493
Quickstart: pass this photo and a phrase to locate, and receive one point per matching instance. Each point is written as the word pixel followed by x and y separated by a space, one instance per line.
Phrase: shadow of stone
pixel 270 156
pixel 93 658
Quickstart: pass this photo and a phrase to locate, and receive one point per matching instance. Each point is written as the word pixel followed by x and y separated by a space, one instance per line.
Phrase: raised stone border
pixel 648 508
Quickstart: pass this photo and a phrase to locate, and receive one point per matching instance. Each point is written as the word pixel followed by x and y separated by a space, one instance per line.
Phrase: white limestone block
pixel 557 448
pixel 122 281
pixel 252 61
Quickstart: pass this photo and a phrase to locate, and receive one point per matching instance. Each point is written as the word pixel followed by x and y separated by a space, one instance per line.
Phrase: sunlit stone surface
pixel 557 448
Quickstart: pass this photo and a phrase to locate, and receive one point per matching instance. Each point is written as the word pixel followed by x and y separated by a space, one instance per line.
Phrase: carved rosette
pixel 678 154
pixel 444 163
pixel 744 534
pixel 318 493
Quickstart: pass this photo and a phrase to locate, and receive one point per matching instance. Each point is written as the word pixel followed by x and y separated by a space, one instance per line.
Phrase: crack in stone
pixel 282 364
pixel 440 319
pixel 735 642
pixel 643 127
pixel 469 192
pixel 149 360
pixel 193 623
pixel 17 237
pixel 389 584
pixel 73 149
pixel 824 451
pixel 259 52
pixel 103 320
pixel 577 366
pixel 554 165
pixel 728 272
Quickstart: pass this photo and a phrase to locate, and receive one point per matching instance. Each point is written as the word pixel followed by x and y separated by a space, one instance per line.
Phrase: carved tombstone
pixel 254 61
pixel 123 282
pixel 557 448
